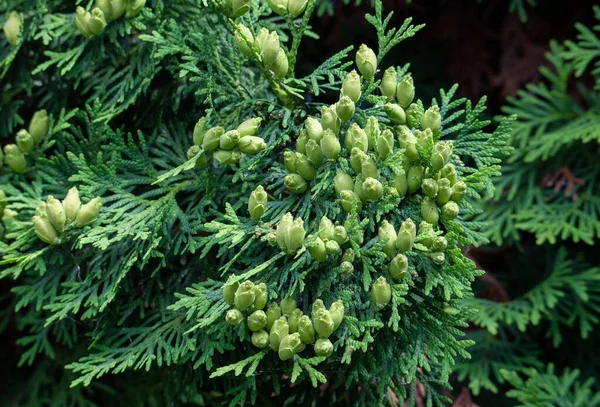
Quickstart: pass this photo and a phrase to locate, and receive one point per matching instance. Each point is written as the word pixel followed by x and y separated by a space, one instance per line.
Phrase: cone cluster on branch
pixel 25 141
pixel 283 327
pixel 327 241
pixel 226 147
pixel 53 218
pixel 92 24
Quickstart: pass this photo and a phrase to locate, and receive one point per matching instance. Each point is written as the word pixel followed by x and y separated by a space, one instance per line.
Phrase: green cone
pixel 406 236
pixel 414 113
pixel 268 45
pixel 405 92
pixel 24 141
pixel 345 108
pixel 294 320
pixel 337 313
pixel 237 8
pixel 438 258
pixel 351 86
pixel 385 143
pixel 323 347
pixel 290 345
pixel 323 323
pixel 243 38
pixel 88 213
pixel 432 119
pixel 359 189
pixel 306 330
pixel 356 137
pixel 295 183
pixel 398 267
pixel 227 157
pixel 97 22
pixel 288 305
pixel 430 187
pixel 449 172
pixel 429 211
pixel 301 142
pixel 326 229
pixel 373 188
pixel 389 83
pixel 56 214
pixel 459 189
pixel 260 339
pixel 304 168
pixel 444 191
pixel 381 293
pixel 12 27
pixel 211 138
pixel 349 255
pixel 283 230
pixel 346 268
pixel 234 317
pixel 317 305
pixel 244 295
pixel 314 129
pixel 45 231
pixel 314 153
pixel 400 182
pixel 415 177
pixel 82 20
pixel 229 289
pixel 295 236
pixel 261 296
pixel 366 61
pixel 281 66
pixel 340 235
pixel 356 157
pixel 373 131
pixel 257 321
pixel 257 203
pixel 249 127
pixel 348 198
pixel 15 159
pixel 278 331
pixel 229 140
pixel 134 7
pixel 387 231
pixel 395 113
pixel 439 244
pixel 368 168
pixel 332 247
pixel 289 160
pixel 450 210
pixel 273 314
pixel 251 145
pixel 317 250
pixel 343 182
pixel 330 120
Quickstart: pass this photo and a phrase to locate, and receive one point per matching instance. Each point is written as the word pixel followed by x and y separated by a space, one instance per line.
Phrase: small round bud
pixel 332 247
pixel 398 267
pixel 257 321
pixel 290 345
pixel 366 61
pixel 340 235
pixel 388 83
pixel 323 347
pixel 444 191
pixel 405 92
pixel 373 188
pixel 260 339
pixel 356 138
pixel 351 86
pixel 438 258
pixel 430 187
pixel 15 158
pixel 12 27
pixel 449 172
pixel 346 268
pixel 349 255
pixel 439 244
pixel 458 191
pixel 450 210
pixel 234 317
pixel 381 293
pixel 317 305
pixel 314 129
pixel 330 120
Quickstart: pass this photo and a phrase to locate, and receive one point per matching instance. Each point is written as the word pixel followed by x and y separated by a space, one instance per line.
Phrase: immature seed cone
pixel 97 22
pixel 227 157
pixel 398 267
pixel 24 141
pixel 385 143
pixel 406 236
pixel 340 235
pixel 450 210
pixel 295 236
pixel 405 92
pixel 395 113
pixel 366 61
pixel 438 258
pixel 82 19
pixel 346 268
pixel 387 231
pixel 330 145
pixel 249 127
pixel 368 168
pixel 389 83
pixel 278 331
pixel 294 320
pixel 432 119
pixel 289 160
pixel 356 157
pixel 71 205
pixel 314 153
pixel 290 345
pixel 257 203
pixel 337 313
pixel 88 213
pixel 296 7
pixel 229 289
pixel 373 188
pixel 330 120
pixel 458 191
pixel 45 231
pixel 237 8
pixel 199 131
pixel 257 321
pixel 317 305
pixel 15 158
pixel 260 290
pixel 414 114
pixel 323 323
pixel 351 86
pixel 332 247
pixel 134 7
pixel 306 330
pixel 281 66
pixel 449 172
pixel 430 187
pixel 268 44
pixel 444 191
pixel 349 255
pixel 211 138
pixel 343 182
pixel 301 142
pixel 345 108
pixel 415 176
pixel 400 182
pixel 323 347
pixel 251 145
pixel 234 317
pixel 304 168
pixel 317 250
pixel 429 211
pixel 326 229
pixel 12 27
pixel 381 293
pixel 229 140
pixel 283 229
pixel 348 199
pixel 288 305
pixel 314 129
pixel 260 339
pixel 273 314
pixel 244 39
pixel 356 138
pixel 244 295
